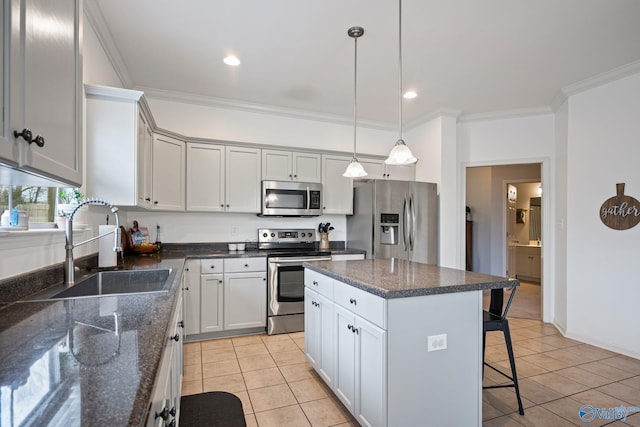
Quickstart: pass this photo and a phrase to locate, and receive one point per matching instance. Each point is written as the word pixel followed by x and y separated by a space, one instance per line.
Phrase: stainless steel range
pixel 288 249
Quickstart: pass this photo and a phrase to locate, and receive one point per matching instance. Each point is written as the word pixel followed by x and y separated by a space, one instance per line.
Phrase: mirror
pixel 535 222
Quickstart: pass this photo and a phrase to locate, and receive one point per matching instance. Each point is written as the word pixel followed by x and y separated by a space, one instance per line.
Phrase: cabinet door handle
pixel 148 199
pixel 212 266
pixel 219 280
pixel 26 134
pixel 353 301
pixel 349 327
pixel 155 202
pixel 164 414
pixel 246 265
pixel 315 283
pixel 181 324
pixel 176 337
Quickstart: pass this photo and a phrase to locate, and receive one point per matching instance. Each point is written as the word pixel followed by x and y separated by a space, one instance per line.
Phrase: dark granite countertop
pixel 395 278
pixel 62 362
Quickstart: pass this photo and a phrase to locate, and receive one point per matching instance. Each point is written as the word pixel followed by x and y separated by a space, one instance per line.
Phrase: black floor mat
pixel 212 409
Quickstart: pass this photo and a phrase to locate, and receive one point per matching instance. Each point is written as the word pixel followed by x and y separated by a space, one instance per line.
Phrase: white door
pixel 312 325
pixel 337 191
pixel 242 179
pixel 211 302
pixel 245 300
pixel 371 377
pixel 345 362
pixel 205 177
pixel 191 289
pixel 512 197
pixel 306 167
pixel 327 339
pixel 168 173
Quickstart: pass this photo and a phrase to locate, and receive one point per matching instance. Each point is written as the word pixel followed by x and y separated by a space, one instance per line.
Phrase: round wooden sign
pixel 620 212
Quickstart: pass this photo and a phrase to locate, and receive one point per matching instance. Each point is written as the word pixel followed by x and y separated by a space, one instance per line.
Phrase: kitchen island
pixel 398 342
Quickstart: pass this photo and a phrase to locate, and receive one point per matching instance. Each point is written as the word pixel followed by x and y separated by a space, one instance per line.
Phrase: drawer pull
pixel 315 283
pixel 353 301
pixel 176 337
pixel 212 266
pixel 246 265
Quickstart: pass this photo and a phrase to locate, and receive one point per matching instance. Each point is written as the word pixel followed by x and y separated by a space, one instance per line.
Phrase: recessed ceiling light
pixel 409 95
pixel 231 60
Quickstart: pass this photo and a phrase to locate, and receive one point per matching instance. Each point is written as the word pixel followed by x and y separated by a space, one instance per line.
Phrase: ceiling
pixel 475 56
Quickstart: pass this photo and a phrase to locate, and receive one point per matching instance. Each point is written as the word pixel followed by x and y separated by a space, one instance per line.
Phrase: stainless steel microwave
pixel 284 198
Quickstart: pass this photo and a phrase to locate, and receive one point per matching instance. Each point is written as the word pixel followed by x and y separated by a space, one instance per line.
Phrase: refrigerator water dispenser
pixel 389 225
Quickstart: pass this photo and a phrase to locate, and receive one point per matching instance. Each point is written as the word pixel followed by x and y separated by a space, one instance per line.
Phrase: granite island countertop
pixel 396 278
pixel 63 362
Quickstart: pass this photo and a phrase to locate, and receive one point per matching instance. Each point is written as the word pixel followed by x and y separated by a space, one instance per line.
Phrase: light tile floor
pixel 557 376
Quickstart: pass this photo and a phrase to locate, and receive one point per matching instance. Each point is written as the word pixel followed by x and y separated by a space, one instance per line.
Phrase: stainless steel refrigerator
pixel 394 219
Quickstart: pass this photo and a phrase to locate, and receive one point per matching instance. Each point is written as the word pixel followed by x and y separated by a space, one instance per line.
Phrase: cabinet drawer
pixel 211 266
pixel 241 265
pixel 362 303
pixel 319 283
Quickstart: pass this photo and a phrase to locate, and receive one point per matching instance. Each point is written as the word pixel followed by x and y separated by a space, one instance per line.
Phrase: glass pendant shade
pixel 354 170
pixel 400 155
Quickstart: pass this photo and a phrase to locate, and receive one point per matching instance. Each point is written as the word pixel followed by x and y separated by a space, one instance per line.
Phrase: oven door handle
pixel 296 260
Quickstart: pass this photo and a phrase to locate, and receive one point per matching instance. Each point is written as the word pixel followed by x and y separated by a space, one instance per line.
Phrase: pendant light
pixel 355 169
pixel 400 154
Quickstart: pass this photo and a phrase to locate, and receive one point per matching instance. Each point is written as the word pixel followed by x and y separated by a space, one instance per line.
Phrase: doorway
pixel 501 234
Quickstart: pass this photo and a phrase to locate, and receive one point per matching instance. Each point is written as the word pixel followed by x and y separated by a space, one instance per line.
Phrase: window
pixel 39 203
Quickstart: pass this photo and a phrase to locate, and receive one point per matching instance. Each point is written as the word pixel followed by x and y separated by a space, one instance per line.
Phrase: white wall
pixel 558 218
pixel 603 289
pixel 511 140
pixel 479 200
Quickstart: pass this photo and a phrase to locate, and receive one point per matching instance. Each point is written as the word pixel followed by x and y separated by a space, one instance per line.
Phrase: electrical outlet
pixel 234 230
pixel 437 342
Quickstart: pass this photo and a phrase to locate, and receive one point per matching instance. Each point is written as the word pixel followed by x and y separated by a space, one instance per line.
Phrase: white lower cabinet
pixel 191 292
pixel 345 349
pixel 211 297
pixel 360 366
pixel 245 300
pixel 223 294
pixel 165 401
pixel 319 334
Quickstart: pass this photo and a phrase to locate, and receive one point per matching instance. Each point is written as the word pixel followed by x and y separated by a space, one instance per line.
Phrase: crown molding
pixel 113 92
pixel 440 112
pixel 95 18
pixel 210 101
pixel 506 114
pixel 601 79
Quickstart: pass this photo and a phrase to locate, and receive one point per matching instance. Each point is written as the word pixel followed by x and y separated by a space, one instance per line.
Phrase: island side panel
pixel 441 387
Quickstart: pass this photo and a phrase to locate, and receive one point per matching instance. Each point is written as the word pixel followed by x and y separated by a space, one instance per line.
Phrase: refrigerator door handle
pixel 404 225
pixel 412 227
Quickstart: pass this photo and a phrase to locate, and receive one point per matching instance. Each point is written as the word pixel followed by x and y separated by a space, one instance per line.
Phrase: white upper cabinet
pixel 168 171
pixel 119 146
pixel 42 92
pixel 205 177
pixel 279 165
pixel 378 169
pixel 242 179
pixel 223 178
pixel 337 191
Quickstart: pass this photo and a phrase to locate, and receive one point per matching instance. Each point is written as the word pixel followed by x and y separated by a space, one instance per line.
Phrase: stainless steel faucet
pixel 69 272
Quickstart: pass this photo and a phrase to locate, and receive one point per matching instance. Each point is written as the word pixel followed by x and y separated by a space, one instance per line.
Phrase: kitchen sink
pixel 105 283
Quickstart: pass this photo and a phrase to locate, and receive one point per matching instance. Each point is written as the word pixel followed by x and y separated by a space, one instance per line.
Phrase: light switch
pixel 437 342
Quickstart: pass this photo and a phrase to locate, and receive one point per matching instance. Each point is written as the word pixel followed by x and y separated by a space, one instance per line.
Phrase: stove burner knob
pixel 264 234
pixel 302 234
pixel 273 234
